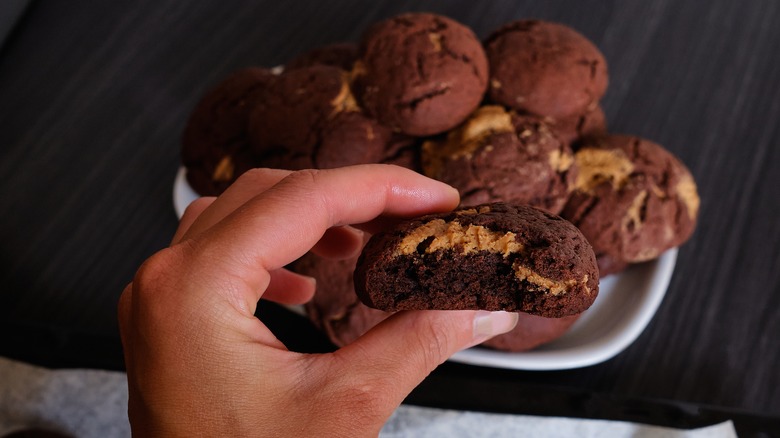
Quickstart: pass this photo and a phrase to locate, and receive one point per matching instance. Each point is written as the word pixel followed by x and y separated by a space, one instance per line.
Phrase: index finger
pixel 279 225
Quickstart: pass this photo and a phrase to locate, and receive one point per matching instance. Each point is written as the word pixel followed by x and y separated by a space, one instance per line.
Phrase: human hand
pixel 200 363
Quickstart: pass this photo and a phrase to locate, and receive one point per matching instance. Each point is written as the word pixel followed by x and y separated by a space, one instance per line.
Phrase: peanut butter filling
pixel 486 120
pixel 451 235
pixel 555 287
pixel 634 213
pixel 686 190
pixel 561 161
pixel 473 238
pixel 462 142
pixel 435 40
pixel 345 100
pixel 224 170
pixel 597 166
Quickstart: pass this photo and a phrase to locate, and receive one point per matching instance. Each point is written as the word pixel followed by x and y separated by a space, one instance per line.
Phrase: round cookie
pixel 335 309
pixel 341 55
pixel 493 257
pixel 633 199
pixel 351 138
pixel 404 151
pixel 573 130
pixel 215 147
pixel 530 332
pixel 499 156
pixel 420 74
pixel 287 122
pixel 545 68
pixel 609 265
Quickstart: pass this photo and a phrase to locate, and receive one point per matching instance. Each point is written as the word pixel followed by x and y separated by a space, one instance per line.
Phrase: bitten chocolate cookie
pixel 633 199
pixel 493 257
pixel 499 156
pixel 215 147
pixel 420 74
pixel 341 55
pixel 545 68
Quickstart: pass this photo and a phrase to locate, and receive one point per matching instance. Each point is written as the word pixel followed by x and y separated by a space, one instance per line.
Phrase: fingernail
pixel 489 324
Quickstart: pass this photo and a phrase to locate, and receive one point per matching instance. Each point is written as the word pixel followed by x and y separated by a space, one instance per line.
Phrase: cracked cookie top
pixel 498 155
pixel 420 74
pixel 633 199
pixel 545 68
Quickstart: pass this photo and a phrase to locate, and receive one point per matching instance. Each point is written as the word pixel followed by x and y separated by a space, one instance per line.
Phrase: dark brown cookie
pixel 545 68
pixel 633 199
pixel 210 179
pixel 351 138
pixel 288 121
pixel 420 74
pixel 530 332
pixel 493 257
pixel 341 55
pixel 609 265
pixel 335 309
pixel 573 130
pixel 499 156
pixel 214 143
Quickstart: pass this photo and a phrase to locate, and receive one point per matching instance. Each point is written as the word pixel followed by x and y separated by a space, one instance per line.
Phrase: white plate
pixel 626 304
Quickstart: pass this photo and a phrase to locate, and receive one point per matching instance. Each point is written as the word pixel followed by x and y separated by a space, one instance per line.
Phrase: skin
pixel 199 363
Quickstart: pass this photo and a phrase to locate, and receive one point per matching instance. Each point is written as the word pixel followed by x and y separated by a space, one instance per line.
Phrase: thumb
pixel 396 355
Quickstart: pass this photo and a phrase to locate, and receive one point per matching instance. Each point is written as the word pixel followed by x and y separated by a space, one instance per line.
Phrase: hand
pixel 200 363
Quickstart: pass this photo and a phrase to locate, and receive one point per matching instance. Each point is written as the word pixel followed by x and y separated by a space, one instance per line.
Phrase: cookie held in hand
pixel 493 257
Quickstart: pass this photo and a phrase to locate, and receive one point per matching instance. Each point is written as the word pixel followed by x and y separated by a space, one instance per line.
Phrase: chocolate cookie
pixel 499 156
pixel 287 122
pixel 350 138
pixel 335 309
pixel 420 74
pixel 493 257
pixel 215 147
pixel 573 130
pixel 545 68
pixel 633 199
pixel 530 332
pixel 341 55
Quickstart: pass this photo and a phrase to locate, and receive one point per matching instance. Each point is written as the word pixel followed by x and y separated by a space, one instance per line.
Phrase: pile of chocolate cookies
pixel 514 118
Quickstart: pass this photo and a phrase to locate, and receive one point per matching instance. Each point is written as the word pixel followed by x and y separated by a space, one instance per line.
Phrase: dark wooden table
pixel 94 96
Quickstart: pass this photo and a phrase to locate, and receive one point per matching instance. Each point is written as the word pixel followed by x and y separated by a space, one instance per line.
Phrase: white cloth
pixel 92 403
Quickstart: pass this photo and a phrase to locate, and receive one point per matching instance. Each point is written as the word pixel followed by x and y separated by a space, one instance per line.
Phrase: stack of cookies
pixel 514 118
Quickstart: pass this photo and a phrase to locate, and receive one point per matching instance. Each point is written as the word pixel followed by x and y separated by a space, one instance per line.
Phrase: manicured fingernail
pixel 489 324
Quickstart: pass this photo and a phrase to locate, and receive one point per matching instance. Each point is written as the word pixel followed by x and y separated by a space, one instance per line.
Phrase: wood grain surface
pixel 94 96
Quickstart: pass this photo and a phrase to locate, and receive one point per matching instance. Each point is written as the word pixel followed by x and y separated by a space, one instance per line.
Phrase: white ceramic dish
pixel 626 304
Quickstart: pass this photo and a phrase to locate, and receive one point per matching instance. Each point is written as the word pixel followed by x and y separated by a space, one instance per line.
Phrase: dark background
pixel 94 96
